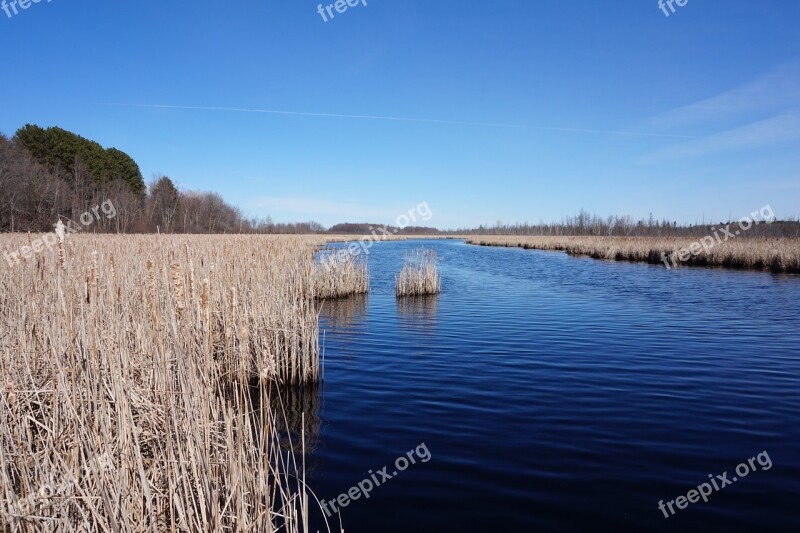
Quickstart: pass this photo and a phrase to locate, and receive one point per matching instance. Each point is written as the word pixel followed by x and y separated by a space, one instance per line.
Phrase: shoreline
pixel 774 255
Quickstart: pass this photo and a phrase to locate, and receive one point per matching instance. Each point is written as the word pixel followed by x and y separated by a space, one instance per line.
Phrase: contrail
pixel 615 132
pixel 400 119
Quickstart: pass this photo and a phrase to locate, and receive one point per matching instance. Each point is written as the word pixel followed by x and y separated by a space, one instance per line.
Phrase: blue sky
pixel 528 110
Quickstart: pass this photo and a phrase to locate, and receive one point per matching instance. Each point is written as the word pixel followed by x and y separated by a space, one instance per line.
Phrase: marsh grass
pixel 420 275
pixel 751 253
pixel 143 351
pixel 339 275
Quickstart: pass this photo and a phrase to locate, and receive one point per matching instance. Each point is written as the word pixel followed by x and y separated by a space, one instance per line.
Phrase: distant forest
pixel 586 224
pixel 51 174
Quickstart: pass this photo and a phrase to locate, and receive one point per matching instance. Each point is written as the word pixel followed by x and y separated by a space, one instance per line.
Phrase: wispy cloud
pixel 783 128
pixel 327 115
pixel 778 89
pixel 407 119
pixel 761 113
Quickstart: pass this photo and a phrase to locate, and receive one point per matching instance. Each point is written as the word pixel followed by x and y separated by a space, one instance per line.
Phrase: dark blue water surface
pixel 560 394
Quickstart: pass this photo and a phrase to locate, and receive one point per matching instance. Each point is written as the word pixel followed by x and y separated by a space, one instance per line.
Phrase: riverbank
pixel 765 254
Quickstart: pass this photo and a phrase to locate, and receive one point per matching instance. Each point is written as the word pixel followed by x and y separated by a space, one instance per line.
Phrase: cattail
pixel 93 271
pixel 191 282
pixel 60 230
pixel 62 256
pixel 11 397
pixel 151 285
pixel 419 276
pixel 180 399
pixel 91 279
pixel 204 296
pixel 151 281
pixel 244 334
pixel 336 275
pixel 232 305
pixel 177 288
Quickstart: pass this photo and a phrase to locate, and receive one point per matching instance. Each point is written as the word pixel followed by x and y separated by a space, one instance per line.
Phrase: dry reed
pixel 128 406
pixel 751 253
pixel 338 275
pixel 420 275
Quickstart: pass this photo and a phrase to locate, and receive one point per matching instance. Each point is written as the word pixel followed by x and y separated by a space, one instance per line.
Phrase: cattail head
pixel 151 280
pixel 177 288
pixel 191 281
pixel 61 231
pixel 151 286
pixel 62 256
pixel 10 395
pixel 204 297
pixel 244 333
pixel 93 271
pixel 232 305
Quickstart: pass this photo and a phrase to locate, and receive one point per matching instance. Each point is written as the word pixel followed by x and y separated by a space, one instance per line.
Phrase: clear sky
pixel 528 109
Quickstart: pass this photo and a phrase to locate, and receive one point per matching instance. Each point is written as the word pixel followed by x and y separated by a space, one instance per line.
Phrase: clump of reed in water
pixel 419 276
pixel 338 274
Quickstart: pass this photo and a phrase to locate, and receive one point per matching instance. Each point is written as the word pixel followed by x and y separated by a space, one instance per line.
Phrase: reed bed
pixel 420 275
pixel 338 275
pixel 751 253
pixel 127 368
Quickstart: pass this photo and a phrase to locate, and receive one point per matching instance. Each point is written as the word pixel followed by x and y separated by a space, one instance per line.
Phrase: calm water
pixel 560 394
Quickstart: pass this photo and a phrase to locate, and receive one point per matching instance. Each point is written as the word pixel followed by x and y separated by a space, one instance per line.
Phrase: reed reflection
pixel 418 312
pixel 344 313
pixel 294 411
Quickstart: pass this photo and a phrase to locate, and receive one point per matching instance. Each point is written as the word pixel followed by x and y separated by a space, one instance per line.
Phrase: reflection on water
pixel 418 311
pixel 345 313
pixel 295 413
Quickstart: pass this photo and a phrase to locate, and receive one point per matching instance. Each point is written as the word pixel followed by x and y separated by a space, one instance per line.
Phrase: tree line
pixel 585 224
pixel 50 174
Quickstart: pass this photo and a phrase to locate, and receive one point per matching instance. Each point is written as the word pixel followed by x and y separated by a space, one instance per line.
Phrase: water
pixel 560 394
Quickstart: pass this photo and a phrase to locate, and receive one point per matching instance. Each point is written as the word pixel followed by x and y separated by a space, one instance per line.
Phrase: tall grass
pixel 338 275
pixel 751 253
pixel 127 367
pixel 420 275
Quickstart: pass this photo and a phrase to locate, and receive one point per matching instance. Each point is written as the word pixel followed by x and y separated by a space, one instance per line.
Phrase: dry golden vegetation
pixel 136 373
pixel 419 276
pixel 774 254
pixel 337 275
